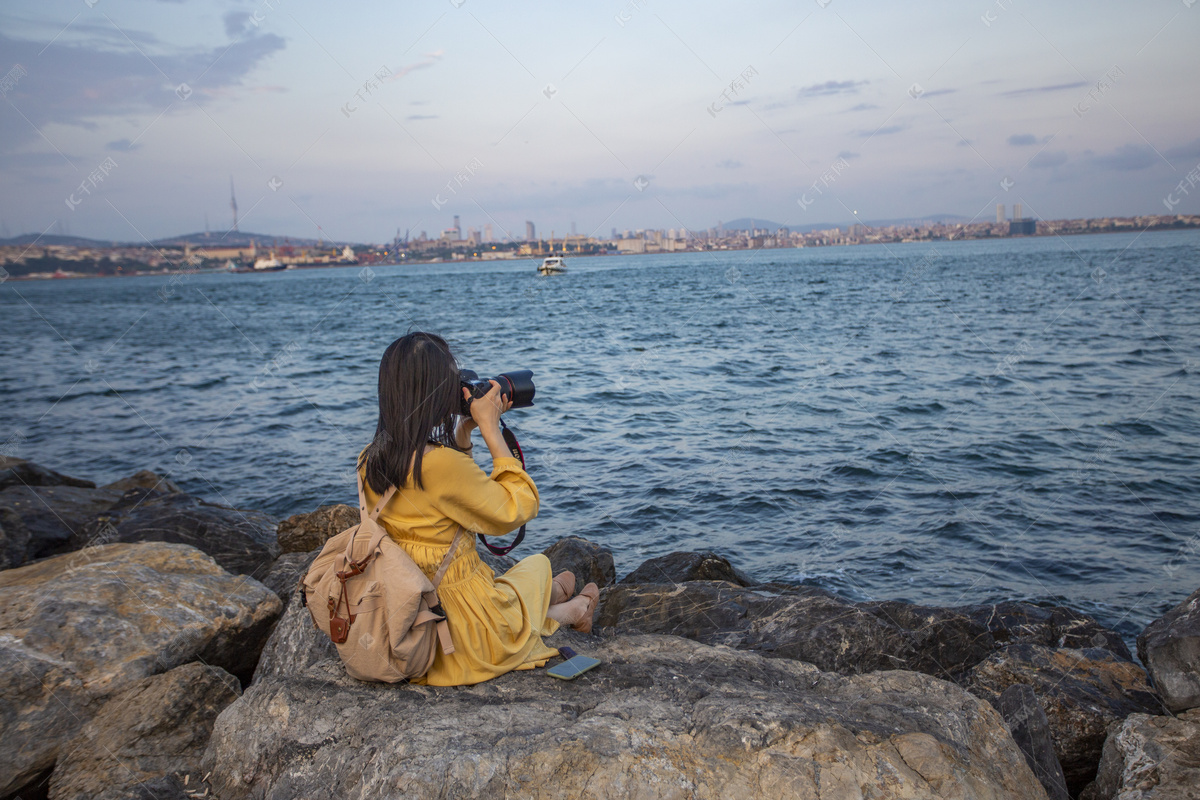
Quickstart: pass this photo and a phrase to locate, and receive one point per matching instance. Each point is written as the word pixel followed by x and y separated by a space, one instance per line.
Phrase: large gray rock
pixel 808 625
pixel 295 644
pixel 286 572
pixel 143 479
pixel 590 562
pixel 154 728
pixel 1081 691
pixel 302 533
pixel 14 539
pixel 55 515
pixel 687 566
pixel 662 717
pixel 1170 649
pixel 241 541
pixel 1030 729
pixel 1150 758
pixel 79 627
pixel 1052 626
pixel 19 472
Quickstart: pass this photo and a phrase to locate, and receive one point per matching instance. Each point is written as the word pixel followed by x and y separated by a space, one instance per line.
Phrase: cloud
pixel 829 88
pixel 235 23
pixel 937 92
pixel 729 164
pixel 122 146
pixel 862 107
pixel 847 155
pixel 428 61
pixel 1048 158
pixel 1189 150
pixel 422 116
pixel 1128 158
pixel 79 83
pixel 884 131
pixel 1058 87
pixel 1022 140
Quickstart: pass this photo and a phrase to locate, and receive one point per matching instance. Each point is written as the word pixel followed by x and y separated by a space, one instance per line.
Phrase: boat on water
pixel 270 264
pixel 552 265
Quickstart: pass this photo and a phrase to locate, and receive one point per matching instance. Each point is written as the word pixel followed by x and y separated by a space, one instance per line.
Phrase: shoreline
pixel 535 258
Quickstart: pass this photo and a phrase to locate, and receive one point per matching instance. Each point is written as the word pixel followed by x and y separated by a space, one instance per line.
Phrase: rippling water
pixel 945 423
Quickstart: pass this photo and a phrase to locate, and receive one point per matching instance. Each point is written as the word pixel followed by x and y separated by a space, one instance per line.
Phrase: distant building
pixel 457 228
pixel 1017 215
pixel 1022 227
pixel 487 233
pixel 999 213
pixel 530 233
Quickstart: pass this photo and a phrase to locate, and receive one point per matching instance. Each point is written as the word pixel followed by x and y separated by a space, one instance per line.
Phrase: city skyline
pixel 126 120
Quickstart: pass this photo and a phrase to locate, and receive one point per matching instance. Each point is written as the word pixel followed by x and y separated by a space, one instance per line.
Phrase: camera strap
pixel 510 440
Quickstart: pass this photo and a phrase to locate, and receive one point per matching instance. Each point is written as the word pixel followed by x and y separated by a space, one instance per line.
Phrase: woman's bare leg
pixel 570 612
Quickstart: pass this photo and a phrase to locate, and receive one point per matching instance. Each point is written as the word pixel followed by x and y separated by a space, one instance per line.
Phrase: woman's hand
pixel 486 410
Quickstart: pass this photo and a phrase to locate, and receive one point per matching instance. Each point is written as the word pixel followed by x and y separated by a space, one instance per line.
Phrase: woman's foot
pixel 562 588
pixel 592 593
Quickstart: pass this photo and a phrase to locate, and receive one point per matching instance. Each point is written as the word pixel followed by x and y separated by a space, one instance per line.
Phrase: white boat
pixel 552 265
pixel 269 264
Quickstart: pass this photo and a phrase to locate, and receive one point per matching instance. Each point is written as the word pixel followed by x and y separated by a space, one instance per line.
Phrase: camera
pixel 516 386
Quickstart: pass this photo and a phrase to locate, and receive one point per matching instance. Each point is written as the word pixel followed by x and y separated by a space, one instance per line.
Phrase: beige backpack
pixel 380 609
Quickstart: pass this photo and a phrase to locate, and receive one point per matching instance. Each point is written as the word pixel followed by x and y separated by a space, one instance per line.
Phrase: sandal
pixel 562 588
pixel 592 593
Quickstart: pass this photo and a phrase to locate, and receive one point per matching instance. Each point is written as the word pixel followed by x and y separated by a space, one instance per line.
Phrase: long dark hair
pixel 418 400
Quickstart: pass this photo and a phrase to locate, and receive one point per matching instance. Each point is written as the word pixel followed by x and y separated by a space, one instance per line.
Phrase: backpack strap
pixel 431 598
pixel 371 516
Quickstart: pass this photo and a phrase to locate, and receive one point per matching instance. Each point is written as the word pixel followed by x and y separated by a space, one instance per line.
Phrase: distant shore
pixel 1182 224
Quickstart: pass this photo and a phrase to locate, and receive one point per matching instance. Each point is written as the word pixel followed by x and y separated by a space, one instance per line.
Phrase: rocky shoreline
pixel 153 647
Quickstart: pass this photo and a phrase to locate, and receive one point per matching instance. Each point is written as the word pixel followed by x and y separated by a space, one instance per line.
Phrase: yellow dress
pixel 497 623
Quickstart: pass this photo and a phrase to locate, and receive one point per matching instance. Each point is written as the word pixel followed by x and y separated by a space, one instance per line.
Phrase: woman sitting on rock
pixel 422 447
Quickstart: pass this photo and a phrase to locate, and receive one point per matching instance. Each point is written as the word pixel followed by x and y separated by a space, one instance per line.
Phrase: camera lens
pixel 518 385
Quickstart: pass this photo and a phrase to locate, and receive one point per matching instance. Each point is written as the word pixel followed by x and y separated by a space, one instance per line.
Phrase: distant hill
pixel 26 239
pixel 243 239
pixel 749 223
pixel 216 239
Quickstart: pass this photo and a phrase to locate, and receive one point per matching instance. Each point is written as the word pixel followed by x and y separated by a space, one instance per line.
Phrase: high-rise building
pixel 573 228
pixel 1017 216
pixel 457 229
pixel 487 232
pixel 1000 212
pixel 529 232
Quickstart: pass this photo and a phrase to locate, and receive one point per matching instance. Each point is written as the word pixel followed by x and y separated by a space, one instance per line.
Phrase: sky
pixel 126 119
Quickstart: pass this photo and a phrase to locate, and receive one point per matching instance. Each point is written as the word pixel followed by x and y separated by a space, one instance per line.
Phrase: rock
pixel 662 717
pixel 14 539
pixel 295 644
pixel 1030 729
pixel 19 472
pixel 1170 649
pixel 590 562
pixel 145 479
pixel 499 564
pixel 809 625
pixel 686 566
pixel 1052 626
pixel 53 515
pixel 286 573
pixel 79 627
pixel 301 533
pixel 150 730
pixel 1081 691
pixel 1150 758
pixel 241 541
